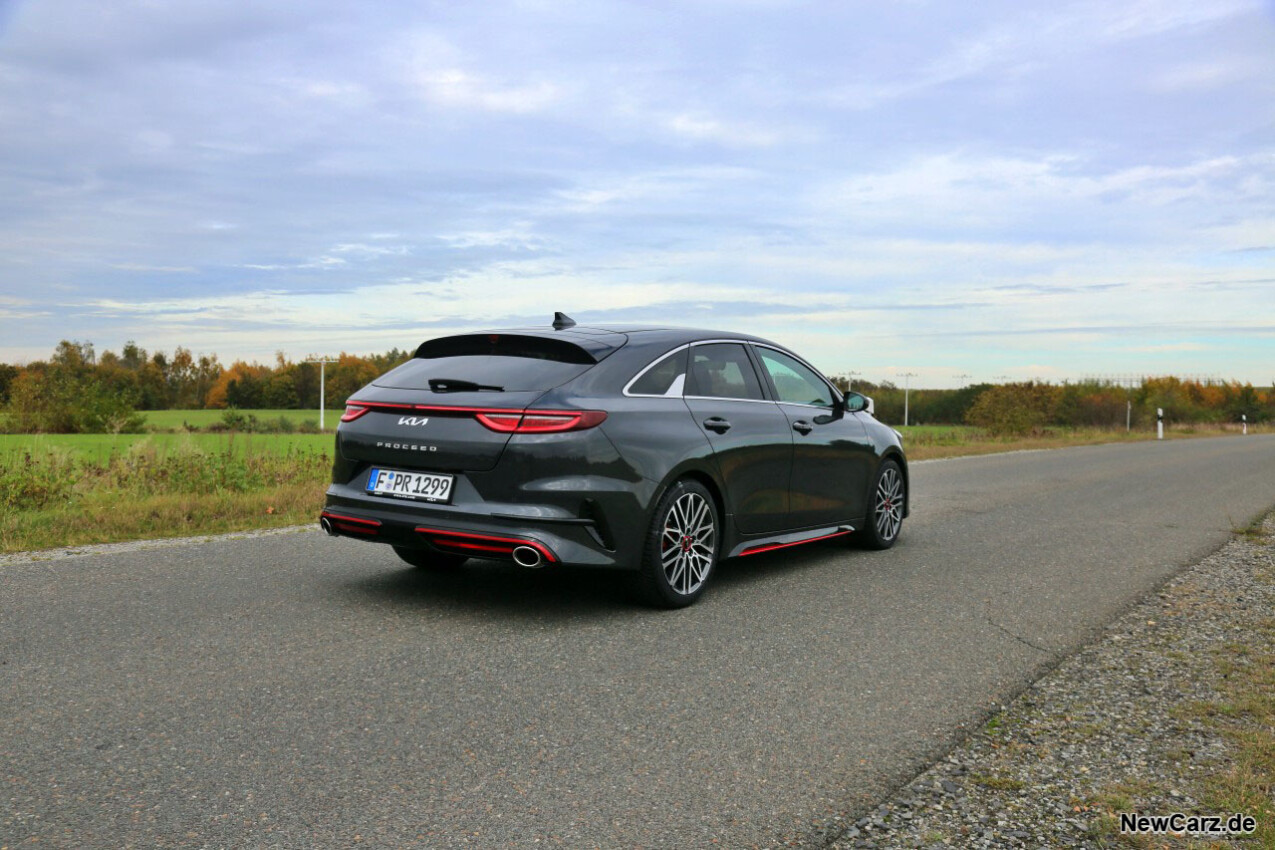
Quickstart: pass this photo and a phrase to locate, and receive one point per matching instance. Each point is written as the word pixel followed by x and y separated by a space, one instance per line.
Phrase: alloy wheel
pixel 687 543
pixel 887 511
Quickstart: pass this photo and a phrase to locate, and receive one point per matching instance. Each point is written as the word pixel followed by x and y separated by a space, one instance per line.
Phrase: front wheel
pixel 428 559
pixel 681 546
pixel 886 504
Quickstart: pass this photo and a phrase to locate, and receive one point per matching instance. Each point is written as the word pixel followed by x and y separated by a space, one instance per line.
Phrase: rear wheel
pixel 885 504
pixel 428 559
pixel 681 546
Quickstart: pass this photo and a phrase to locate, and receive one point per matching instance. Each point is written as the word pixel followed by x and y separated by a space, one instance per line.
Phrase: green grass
pixel 99 447
pixel 159 486
pixel 174 420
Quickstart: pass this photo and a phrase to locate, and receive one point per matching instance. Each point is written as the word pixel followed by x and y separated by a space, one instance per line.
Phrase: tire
pixel 681 546
pixel 886 502
pixel 428 559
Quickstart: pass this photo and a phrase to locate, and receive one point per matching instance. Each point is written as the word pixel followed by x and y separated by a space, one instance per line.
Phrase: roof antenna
pixel 562 321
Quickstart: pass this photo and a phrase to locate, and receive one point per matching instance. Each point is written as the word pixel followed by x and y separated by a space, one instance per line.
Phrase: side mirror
pixel 855 402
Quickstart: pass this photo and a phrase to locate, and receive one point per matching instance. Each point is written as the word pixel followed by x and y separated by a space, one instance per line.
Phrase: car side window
pixel 794 382
pixel 722 370
pixel 665 378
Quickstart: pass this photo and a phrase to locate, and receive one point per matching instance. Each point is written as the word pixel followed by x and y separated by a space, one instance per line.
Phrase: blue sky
pixel 1015 189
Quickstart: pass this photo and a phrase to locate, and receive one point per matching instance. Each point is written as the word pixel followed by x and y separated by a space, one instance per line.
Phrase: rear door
pixel 750 436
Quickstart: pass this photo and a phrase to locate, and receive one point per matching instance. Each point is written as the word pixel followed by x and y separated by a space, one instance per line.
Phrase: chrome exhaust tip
pixel 326 525
pixel 526 556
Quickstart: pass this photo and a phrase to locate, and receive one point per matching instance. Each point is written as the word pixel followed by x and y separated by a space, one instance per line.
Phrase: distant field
pixel 175 419
pixel 925 442
pixel 99 447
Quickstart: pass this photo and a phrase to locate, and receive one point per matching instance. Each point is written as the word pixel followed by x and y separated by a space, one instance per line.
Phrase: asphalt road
pixel 298 691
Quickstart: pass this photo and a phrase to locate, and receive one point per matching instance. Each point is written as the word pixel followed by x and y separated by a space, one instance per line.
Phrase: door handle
pixel 717 423
pixel 801 426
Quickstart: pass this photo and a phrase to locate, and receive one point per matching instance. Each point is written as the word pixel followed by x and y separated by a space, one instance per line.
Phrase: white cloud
pixel 142 267
pixel 454 88
pixel 700 128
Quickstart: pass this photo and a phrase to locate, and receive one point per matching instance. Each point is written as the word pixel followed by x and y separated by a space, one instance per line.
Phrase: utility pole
pixel 850 380
pixel 906 376
pixel 322 380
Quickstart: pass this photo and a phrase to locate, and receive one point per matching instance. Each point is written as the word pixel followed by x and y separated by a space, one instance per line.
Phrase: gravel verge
pixel 1115 727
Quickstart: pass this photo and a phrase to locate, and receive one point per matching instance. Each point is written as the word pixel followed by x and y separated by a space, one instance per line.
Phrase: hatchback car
pixel 656 451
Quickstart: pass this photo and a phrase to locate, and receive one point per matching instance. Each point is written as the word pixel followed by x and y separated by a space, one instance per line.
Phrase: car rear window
pixel 665 377
pixel 496 362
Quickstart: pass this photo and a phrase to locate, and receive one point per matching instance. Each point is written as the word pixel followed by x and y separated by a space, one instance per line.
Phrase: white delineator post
pixel 1159 423
pixel 1244 419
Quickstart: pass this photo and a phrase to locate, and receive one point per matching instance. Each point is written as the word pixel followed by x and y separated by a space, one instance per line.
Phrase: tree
pixel 68 396
pixel 7 375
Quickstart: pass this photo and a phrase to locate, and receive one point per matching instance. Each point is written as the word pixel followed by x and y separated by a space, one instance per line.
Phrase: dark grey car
pixel 656 451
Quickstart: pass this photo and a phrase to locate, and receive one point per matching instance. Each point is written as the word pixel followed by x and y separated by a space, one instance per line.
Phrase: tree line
pixel 78 390
pixel 1020 408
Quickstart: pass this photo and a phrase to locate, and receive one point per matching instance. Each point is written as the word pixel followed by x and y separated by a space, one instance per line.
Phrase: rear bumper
pixel 449 528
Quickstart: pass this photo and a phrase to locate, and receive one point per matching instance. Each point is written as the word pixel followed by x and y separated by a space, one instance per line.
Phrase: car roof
pixel 644 334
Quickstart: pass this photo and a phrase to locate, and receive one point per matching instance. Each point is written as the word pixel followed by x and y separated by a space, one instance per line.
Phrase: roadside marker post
pixel 1159 423
pixel 1244 419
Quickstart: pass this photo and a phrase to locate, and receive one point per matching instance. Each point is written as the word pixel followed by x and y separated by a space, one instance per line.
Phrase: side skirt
pixel 770 542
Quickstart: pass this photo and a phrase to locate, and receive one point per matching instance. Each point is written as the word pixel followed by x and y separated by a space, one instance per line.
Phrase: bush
pixel 64 400
pixel 1013 409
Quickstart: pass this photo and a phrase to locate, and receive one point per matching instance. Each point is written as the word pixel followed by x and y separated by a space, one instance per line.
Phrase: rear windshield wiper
pixel 456 385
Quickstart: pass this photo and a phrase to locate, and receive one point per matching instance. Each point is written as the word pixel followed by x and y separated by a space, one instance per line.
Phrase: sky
pixel 961 192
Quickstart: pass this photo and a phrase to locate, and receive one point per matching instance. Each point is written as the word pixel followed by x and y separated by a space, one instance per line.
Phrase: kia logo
pixel 413 420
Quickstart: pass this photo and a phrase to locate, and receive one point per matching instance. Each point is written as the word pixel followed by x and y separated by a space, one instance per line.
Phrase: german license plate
pixel 423 486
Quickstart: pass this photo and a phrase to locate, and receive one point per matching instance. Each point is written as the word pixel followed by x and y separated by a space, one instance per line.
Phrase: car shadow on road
pixel 482 587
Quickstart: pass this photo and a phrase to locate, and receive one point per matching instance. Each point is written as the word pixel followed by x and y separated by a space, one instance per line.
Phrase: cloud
pixel 142 267
pixel 700 128
pixel 452 87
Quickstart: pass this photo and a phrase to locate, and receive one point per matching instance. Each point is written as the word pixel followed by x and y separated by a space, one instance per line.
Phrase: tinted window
pixel 794 381
pixel 666 377
pixel 722 370
pixel 509 362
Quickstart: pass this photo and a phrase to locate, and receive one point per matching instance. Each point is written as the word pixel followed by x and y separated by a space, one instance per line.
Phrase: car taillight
pixel 353 411
pixel 504 421
pixel 541 422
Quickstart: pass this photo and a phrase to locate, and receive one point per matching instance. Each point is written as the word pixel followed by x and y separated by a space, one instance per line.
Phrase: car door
pixel 832 454
pixel 750 436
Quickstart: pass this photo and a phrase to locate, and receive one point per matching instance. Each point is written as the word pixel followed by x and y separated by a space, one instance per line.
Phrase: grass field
pixel 67 490
pixel 99 447
pixel 929 442
pixel 173 420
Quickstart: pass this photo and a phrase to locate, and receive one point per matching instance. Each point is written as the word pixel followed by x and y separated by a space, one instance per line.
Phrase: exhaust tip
pixel 526 556
pixel 326 525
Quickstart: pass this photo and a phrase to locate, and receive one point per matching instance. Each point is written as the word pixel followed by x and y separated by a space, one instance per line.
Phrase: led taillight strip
pixel 500 419
pixel 483 542
pixel 352 524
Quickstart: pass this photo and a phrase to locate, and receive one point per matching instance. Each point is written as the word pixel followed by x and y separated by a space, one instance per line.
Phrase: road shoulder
pixel 1149 719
